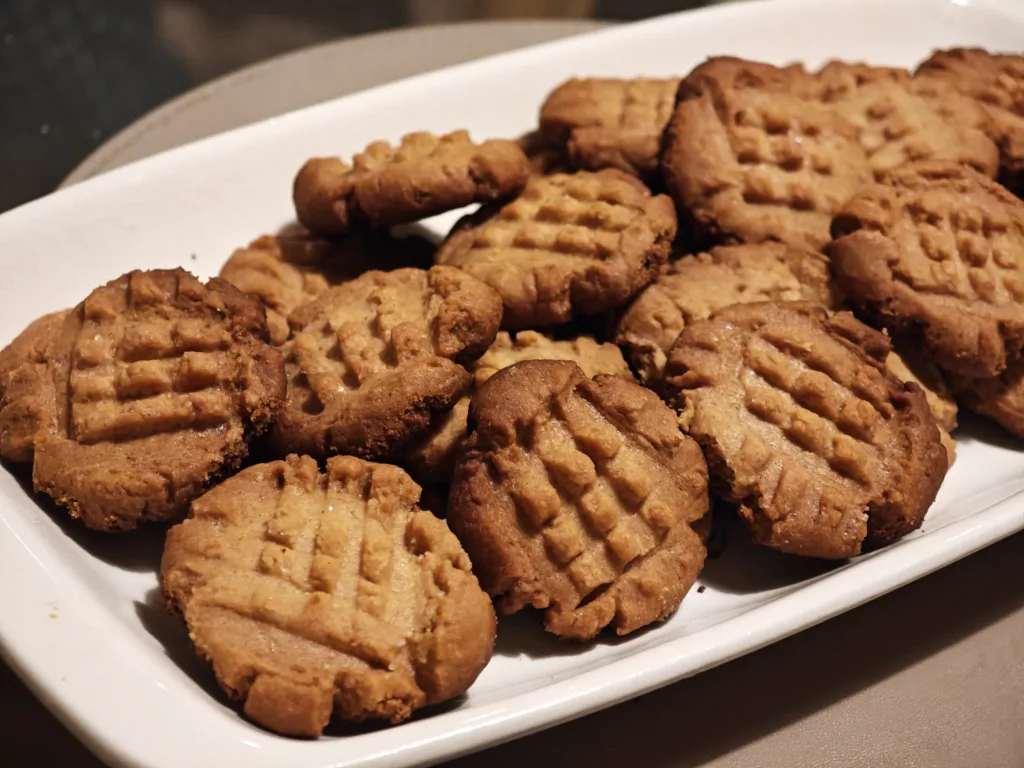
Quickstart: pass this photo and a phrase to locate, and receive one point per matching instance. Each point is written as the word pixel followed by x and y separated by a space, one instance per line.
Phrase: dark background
pixel 74 72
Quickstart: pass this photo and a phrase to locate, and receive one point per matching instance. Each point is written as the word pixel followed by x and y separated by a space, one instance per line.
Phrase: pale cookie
pixel 569 245
pixel 694 287
pixel 578 497
pixel 996 81
pixel 423 176
pixel 288 270
pixel 911 366
pixel 317 594
pixel 749 156
pixel 610 122
pixel 152 389
pixel 935 255
pixel 374 361
pixel 804 430
pixel 26 406
pixel 433 460
pixel 902 120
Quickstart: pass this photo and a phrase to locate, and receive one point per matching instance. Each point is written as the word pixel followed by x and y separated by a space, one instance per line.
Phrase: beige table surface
pixel 931 676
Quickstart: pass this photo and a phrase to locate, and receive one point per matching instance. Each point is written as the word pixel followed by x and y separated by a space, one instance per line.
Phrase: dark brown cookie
pixel 996 81
pixel 577 496
pixel 374 361
pixel 803 428
pixel 1000 398
pixel 316 593
pixel 569 245
pixel 935 254
pixel 288 270
pixel 694 287
pixel 750 155
pixel 423 176
pixel 152 388
pixel 902 120
pixel 610 122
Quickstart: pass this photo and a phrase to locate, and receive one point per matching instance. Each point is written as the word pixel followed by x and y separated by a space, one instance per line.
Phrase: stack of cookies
pixel 761 286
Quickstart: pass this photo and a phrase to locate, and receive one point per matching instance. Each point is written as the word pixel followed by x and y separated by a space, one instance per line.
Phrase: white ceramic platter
pixel 80 615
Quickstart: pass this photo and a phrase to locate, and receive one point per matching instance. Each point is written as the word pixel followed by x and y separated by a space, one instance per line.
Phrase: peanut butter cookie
pixel 610 122
pixel 750 155
pixel 901 119
pixel 149 390
pixel 577 496
pixel 935 254
pixel 569 245
pixel 803 428
pixel 288 270
pixel 423 176
pixel 694 287
pixel 312 594
pixel 996 81
pixel 374 361
pixel 433 460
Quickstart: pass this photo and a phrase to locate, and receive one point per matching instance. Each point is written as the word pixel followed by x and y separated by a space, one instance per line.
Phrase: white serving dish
pixel 80 616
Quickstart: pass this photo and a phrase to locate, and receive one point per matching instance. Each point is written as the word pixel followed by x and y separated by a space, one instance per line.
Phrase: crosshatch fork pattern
pixel 151 375
pixel 348 596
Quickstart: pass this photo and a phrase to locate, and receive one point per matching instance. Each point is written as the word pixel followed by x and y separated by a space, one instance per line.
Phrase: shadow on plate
pixel 743 567
pixel 977 429
pixel 172 634
pixel 138 551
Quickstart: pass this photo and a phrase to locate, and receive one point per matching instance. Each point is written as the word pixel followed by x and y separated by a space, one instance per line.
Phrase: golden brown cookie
pixel 577 496
pixel 312 594
pixel 26 407
pixel 423 176
pixel 153 388
pixel 569 245
pixel 1000 398
pixel 374 361
pixel 610 122
pixel 909 365
pixel 935 254
pixel 433 459
pixel 803 428
pixel 901 119
pixel 285 271
pixel 694 287
pixel 750 156
pixel 996 81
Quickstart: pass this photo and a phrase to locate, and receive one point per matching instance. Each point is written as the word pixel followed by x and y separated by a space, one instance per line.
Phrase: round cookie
pixel 750 155
pixel 374 361
pixel 901 119
pixel 288 270
pixel 433 460
pixel 935 255
pixel 996 81
pixel 610 122
pixel 153 387
pixel 423 176
pixel 803 428
pixel 694 287
pixel 578 497
pixel 312 594
pixel 569 245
